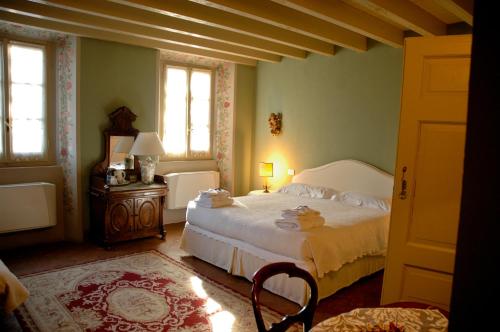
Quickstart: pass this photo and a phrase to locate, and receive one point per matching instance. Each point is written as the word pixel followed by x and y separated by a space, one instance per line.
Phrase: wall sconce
pixel 266 171
pixel 275 123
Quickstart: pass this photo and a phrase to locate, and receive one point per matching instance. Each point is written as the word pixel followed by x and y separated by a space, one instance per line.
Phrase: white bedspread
pixel 349 232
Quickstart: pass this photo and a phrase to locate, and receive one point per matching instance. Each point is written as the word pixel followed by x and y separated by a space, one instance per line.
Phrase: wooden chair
pixel 305 315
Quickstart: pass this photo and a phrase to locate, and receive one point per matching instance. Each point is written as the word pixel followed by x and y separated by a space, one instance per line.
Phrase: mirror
pixel 119 147
pixel 118 140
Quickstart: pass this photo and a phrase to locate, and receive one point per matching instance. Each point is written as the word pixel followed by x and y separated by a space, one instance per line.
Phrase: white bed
pixel 243 237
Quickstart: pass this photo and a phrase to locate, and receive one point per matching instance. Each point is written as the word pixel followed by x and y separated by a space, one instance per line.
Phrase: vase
pixel 147 171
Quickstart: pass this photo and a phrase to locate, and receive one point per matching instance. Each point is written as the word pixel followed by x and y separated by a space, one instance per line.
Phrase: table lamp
pixel 123 146
pixel 265 171
pixel 147 145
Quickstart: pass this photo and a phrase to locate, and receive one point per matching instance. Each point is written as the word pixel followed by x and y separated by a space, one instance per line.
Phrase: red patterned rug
pixel 142 292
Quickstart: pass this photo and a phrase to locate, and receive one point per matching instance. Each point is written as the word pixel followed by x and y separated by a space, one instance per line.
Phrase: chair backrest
pixel 305 315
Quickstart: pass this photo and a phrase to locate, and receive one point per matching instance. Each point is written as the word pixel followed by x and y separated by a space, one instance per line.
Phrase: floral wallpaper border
pixel 224 132
pixel 66 132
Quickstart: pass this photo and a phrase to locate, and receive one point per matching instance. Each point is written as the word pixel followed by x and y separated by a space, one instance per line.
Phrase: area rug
pixel 147 291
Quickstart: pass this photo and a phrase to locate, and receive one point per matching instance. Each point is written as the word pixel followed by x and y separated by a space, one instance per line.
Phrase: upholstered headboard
pixel 350 175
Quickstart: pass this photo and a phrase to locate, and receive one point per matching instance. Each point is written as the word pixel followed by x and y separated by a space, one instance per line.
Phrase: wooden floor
pixel 364 293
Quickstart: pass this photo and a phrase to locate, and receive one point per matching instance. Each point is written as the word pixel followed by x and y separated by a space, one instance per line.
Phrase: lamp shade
pixel 266 169
pixel 124 144
pixel 147 144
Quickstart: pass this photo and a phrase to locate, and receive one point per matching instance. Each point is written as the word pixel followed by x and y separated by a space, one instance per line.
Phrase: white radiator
pixel 183 187
pixel 27 206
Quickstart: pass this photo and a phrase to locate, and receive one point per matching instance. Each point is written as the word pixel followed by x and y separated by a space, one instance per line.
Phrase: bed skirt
pixel 243 259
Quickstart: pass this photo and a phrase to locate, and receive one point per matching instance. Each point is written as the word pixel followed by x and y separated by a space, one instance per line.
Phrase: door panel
pixel 425 210
pixel 427 286
pixel 438 185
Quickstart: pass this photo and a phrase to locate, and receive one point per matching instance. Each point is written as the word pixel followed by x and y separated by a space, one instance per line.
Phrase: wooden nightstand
pixel 260 192
pixel 127 212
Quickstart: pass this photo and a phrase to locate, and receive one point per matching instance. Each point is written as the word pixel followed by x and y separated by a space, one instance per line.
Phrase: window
pixel 186 112
pixel 23 102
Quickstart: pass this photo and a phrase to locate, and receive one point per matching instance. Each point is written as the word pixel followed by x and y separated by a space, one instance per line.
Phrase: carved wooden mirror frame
pixel 121 125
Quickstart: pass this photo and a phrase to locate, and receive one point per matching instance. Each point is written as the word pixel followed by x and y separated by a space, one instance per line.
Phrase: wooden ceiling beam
pixel 119 38
pixel 406 14
pixel 346 16
pixel 66 16
pixel 287 18
pixel 155 20
pixel 463 9
pixel 214 17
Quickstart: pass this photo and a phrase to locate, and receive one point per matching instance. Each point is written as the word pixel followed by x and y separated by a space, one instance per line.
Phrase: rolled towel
pixel 210 203
pixel 301 210
pixel 301 223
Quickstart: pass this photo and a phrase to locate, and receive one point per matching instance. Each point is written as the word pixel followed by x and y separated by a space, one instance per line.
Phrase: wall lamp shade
pixel 147 144
pixel 266 171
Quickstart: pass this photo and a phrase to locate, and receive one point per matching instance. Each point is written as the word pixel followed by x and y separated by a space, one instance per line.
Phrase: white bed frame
pixel 242 259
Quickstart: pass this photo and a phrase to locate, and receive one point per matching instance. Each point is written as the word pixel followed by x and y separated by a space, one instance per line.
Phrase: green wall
pixel 244 126
pixel 345 106
pixel 112 75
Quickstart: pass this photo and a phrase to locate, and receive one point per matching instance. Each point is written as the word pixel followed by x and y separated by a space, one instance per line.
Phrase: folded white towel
pixel 212 199
pixel 214 193
pixel 300 223
pixel 301 210
pixel 213 203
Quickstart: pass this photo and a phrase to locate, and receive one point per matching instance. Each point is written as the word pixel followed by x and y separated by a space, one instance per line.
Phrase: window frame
pixel 189 155
pixel 49 156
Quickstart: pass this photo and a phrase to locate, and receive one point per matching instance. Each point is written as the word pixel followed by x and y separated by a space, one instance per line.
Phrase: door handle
pixel 404 185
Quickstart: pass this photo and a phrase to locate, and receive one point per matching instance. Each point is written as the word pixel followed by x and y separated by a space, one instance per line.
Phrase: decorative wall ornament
pixel 275 123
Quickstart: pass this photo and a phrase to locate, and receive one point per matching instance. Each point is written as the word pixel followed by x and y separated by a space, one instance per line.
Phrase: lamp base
pixel 147 170
pixel 266 189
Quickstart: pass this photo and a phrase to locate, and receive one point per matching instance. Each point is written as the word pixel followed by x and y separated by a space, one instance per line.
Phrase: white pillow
pixel 359 199
pixel 306 190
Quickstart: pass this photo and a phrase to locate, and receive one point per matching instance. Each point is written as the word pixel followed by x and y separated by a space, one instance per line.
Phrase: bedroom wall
pixel 112 75
pixel 244 110
pixel 345 106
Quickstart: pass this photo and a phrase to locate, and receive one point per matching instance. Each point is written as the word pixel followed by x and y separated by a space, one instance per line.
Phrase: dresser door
pixel 147 214
pixel 428 179
pixel 120 221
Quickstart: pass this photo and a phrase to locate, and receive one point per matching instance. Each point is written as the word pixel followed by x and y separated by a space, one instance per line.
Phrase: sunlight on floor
pixel 220 319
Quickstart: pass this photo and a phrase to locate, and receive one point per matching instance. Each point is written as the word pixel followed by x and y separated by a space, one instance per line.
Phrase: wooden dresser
pixel 127 212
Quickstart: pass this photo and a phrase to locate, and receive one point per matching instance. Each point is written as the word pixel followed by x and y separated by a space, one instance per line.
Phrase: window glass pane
pixel 175 113
pixel 26 64
pixel 27 137
pixel 200 84
pixel 27 101
pixel 200 125
pixel 200 111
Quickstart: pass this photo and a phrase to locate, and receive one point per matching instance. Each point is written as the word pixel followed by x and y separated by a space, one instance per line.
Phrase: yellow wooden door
pixel 428 177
